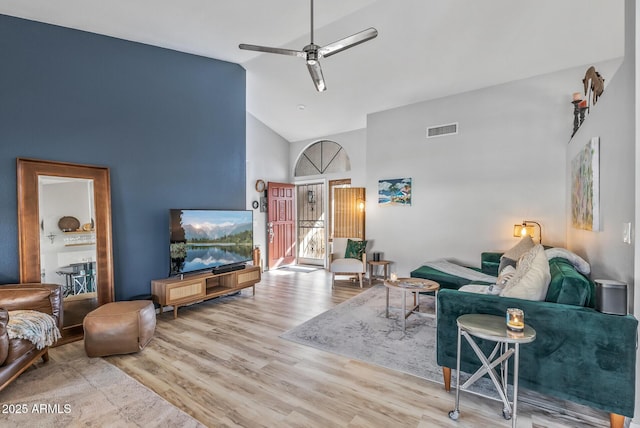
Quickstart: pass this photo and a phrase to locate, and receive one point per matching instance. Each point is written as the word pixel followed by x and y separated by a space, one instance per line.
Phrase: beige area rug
pixel 358 328
pixel 72 390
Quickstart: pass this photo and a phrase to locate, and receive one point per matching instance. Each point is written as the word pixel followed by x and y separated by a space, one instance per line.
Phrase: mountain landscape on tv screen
pixel 208 232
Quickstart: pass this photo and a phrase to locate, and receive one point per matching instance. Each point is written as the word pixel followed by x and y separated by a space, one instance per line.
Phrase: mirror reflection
pixel 68 242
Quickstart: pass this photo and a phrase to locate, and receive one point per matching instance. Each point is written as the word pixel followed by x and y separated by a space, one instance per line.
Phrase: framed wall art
pixel 394 191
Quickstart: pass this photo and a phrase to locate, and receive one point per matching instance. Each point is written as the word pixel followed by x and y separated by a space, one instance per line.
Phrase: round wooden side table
pixel 414 286
pixel 376 263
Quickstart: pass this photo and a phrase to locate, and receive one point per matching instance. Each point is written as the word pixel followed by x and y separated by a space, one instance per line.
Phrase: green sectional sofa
pixel 579 354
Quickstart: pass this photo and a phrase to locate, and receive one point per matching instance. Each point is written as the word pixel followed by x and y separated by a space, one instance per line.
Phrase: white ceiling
pixel 425 49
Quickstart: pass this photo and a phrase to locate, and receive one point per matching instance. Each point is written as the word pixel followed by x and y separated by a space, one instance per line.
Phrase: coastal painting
pixel 394 191
pixel 585 187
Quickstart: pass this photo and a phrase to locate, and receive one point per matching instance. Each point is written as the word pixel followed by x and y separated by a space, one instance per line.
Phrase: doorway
pixel 311 224
pixel 304 218
pixel 281 224
pixel 314 199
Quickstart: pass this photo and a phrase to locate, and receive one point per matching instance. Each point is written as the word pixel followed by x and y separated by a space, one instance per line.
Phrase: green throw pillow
pixel 355 249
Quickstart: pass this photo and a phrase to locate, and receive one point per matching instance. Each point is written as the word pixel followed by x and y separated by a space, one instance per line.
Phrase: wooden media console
pixel 182 291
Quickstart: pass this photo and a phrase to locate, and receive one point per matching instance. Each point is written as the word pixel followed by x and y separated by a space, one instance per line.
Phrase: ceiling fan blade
pixel 316 75
pixel 348 42
pixel 267 49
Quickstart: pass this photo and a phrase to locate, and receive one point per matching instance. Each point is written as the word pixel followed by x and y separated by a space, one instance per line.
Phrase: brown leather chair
pixel 17 355
pixel 119 328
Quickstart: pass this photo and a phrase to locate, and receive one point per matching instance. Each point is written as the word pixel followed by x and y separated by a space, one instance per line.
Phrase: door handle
pixel 271 234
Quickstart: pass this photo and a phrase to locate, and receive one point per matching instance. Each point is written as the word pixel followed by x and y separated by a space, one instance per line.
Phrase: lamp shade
pixel 527 227
pixel 521 230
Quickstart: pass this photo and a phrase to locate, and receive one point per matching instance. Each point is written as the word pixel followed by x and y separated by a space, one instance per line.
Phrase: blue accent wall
pixel 169 125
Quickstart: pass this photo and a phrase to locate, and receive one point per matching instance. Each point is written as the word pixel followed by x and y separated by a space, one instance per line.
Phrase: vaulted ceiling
pixel 426 49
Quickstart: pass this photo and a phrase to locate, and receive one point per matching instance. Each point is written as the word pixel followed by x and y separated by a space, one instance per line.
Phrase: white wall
pixel 506 164
pixel 612 120
pixel 268 160
pixel 615 120
pixel 632 18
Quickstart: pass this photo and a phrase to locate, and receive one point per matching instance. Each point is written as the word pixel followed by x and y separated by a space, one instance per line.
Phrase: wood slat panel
pixel 348 218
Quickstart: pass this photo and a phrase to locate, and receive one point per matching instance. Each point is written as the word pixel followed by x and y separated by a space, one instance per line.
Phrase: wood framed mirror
pixel 64 234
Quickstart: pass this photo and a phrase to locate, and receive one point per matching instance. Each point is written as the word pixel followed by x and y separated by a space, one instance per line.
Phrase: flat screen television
pixel 216 240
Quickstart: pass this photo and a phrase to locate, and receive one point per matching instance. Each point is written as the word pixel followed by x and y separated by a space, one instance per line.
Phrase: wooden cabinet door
pixel 185 291
pixel 248 276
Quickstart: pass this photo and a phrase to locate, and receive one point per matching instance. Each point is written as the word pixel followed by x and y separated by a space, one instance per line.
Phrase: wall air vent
pixel 441 130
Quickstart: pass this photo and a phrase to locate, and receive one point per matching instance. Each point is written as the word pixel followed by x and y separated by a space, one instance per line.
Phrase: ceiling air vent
pixel 439 131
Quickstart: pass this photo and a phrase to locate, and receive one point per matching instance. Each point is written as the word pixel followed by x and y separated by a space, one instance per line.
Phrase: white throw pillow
pixel 523 246
pixel 505 275
pixel 532 276
pixel 512 255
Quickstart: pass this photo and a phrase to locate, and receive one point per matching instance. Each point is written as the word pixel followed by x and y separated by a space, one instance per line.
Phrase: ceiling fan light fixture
pixel 312 54
pixel 316 75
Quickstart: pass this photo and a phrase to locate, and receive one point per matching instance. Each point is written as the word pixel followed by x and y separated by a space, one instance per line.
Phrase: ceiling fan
pixel 312 52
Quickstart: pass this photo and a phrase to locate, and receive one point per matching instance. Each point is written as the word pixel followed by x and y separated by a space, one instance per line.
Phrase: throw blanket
pixel 578 262
pixel 461 271
pixel 36 327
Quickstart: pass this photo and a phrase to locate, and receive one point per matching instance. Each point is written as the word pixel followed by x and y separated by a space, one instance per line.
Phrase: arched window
pixel 322 157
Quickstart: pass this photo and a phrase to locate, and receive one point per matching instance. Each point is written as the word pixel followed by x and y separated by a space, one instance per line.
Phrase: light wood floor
pixel 222 362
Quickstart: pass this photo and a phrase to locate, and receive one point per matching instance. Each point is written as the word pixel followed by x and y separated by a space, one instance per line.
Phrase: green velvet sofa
pixel 579 354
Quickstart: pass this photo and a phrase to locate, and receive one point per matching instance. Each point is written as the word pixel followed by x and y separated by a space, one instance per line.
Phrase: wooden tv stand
pixel 177 291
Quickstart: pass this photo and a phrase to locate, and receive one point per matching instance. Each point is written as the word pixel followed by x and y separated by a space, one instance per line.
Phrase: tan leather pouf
pixel 119 328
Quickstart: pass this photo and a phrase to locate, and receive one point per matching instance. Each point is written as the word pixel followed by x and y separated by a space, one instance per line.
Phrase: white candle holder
pixel 515 319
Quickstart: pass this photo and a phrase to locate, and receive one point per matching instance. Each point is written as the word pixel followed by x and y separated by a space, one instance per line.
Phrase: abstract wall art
pixel 585 187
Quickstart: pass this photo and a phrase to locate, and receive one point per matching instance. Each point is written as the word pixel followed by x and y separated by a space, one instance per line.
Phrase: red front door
pixel 281 224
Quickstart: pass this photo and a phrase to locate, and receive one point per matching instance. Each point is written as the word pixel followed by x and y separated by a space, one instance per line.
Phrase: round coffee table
pixel 413 286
